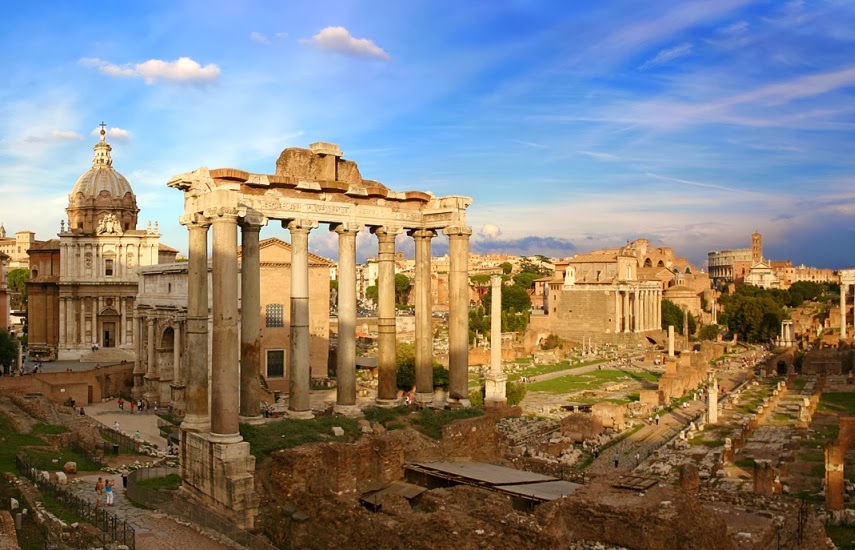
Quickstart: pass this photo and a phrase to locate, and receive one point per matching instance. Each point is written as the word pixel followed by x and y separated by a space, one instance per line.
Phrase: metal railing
pixel 111 527
pixel 172 504
pixel 124 441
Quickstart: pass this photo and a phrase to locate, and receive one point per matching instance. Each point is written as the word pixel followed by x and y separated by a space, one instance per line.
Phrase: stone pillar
pixel 843 289
pixel 712 414
pixel 636 310
pixel 670 340
pixel 225 375
pixel 250 323
pixel 346 357
pixel 424 328
pixel 835 484
pixel 690 480
pixel 299 404
pixel 196 396
pixel 458 319
pixel 63 302
pixel 176 352
pixel 139 368
pixel 495 384
pixel 387 389
pixel 152 376
pixel 764 477
pixel 617 311
pixel 75 323
pixel 626 311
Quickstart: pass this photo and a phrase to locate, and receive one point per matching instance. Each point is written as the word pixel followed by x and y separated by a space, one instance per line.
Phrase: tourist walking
pixel 617 459
pixel 637 458
pixel 108 488
pixel 125 474
pixel 656 418
pixel 116 426
pixel 121 404
pixel 132 406
pixel 99 491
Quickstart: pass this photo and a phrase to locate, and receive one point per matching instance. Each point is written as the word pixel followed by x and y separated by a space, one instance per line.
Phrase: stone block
pixel 61 478
pixel 70 467
pixel 338 431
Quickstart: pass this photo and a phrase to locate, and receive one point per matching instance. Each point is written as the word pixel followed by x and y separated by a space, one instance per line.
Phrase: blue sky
pixel 573 125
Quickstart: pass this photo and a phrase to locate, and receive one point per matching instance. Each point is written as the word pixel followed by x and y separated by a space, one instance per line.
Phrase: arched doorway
pixel 782 368
pixel 109 321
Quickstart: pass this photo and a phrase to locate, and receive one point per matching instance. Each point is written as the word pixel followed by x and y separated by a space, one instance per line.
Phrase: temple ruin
pixel 310 187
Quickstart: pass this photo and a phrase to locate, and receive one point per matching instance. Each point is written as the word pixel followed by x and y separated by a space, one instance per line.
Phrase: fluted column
pixel 196 395
pixel 387 390
pixel 843 289
pixel 458 318
pixel 626 311
pixel 636 310
pixel 299 404
pixel 424 329
pixel 345 402
pixel 617 311
pixel 250 322
pixel 225 377
pixel 151 375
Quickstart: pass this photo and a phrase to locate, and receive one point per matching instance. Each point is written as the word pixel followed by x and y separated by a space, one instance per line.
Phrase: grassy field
pixel 590 380
pixel 431 422
pixel 11 443
pixel 288 433
pixel 838 402
pixel 172 482
pixel 554 367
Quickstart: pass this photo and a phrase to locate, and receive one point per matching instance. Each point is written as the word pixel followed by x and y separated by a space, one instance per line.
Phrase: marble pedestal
pixel 495 390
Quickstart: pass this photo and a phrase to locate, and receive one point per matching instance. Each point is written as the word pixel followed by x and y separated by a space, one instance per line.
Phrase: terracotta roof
pixel 593 257
pixel 314 259
pixel 163 248
pixel 52 244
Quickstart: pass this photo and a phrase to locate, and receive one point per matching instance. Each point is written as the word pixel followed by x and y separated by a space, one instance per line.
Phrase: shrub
pixel 476 397
pixel 515 392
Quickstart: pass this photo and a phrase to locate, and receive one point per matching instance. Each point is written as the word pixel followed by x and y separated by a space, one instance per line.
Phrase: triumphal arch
pixel 310 187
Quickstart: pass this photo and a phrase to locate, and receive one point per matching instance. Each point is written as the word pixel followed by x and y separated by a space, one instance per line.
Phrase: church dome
pixel 101 192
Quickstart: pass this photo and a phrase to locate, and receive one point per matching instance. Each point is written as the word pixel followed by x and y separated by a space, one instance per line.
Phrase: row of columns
pixel 72 320
pixel 227 406
pixel 844 288
pixel 638 310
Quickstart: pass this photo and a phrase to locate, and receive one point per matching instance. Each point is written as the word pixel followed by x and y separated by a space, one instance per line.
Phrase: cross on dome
pixel 102 150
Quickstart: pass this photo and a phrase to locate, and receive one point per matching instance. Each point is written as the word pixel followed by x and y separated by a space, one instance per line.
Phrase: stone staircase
pixel 108 356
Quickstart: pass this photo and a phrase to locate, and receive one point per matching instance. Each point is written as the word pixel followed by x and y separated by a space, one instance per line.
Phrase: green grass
pixel 843 536
pixel 171 418
pixel 44 460
pixel 58 509
pixel 11 442
pixel 431 422
pixel 172 482
pixel 747 462
pixel 49 429
pixel 30 536
pixel 699 440
pixel 588 381
pixel 287 433
pixel 546 369
pixel 799 384
pixel 384 414
pixel 832 402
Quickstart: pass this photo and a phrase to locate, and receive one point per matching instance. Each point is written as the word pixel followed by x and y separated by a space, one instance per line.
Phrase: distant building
pixel 83 285
pixel 732 266
pixel 16 248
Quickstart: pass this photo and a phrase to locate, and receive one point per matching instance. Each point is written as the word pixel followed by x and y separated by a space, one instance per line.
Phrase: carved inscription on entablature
pixel 319 209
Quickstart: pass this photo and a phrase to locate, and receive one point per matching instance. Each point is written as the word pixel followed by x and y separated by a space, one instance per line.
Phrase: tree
pixel 672 315
pixel 405 362
pixel 804 291
pixel 709 332
pixel 526 279
pixel 371 292
pixel 754 314
pixel 8 350
pixel 402 288
pixel 18 283
pixel 506 267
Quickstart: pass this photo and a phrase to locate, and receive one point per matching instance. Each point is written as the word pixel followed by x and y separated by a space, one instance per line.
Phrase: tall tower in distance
pixel 756 248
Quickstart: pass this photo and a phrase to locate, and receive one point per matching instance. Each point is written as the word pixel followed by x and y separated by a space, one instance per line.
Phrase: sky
pixel 573 125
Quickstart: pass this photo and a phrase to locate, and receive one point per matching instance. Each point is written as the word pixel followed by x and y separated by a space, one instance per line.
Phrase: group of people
pixel 104 489
pixel 140 404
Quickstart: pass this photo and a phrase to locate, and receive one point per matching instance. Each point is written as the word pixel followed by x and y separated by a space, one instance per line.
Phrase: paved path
pixel 108 413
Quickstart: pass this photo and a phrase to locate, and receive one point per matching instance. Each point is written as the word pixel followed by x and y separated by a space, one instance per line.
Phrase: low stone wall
pixel 59 387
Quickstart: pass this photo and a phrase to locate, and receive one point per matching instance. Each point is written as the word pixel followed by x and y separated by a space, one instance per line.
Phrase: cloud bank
pixel 182 70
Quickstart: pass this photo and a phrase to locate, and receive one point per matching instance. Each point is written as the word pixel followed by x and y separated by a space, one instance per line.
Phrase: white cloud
pixel 491 231
pixel 735 28
pixel 339 39
pixel 667 55
pixel 52 136
pixel 260 38
pixel 118 134
pixel 182 69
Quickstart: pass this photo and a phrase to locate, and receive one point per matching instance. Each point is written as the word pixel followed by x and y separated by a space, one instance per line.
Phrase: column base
pixel 388 403
pixel 455 403
pixel 425 399
pixel 196 423
pixel 251 420
pixel 225 439
pixel 347 410
pixel 300 415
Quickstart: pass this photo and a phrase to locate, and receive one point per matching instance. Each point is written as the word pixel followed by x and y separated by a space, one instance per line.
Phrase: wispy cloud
pixel 53 136
pixel 608 157
pixel 182 70
pixel 339 40
pixel 668 55
pixel 260 38
pixel 118 134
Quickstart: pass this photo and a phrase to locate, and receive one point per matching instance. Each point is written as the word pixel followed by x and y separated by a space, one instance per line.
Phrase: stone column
pixel 63 303
pixel 670 340
pixel 835 484
pixel 152 377
pixel 424 329
pixel 96 305
pixel 690 480
pixel 139 369
pixel 299 403
pixel 176 352
pixel 764 477
pixel 75 323
pixel 345 402
pixel 636 310
pixel 121 329
pixel 250 323
pixel 495 384
pixel 843 289
pixel 617 311
pixel 458 318
pixel 196 396
pixel 626 311
pixel 387 390
pixel 225 376
pixel 712 403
